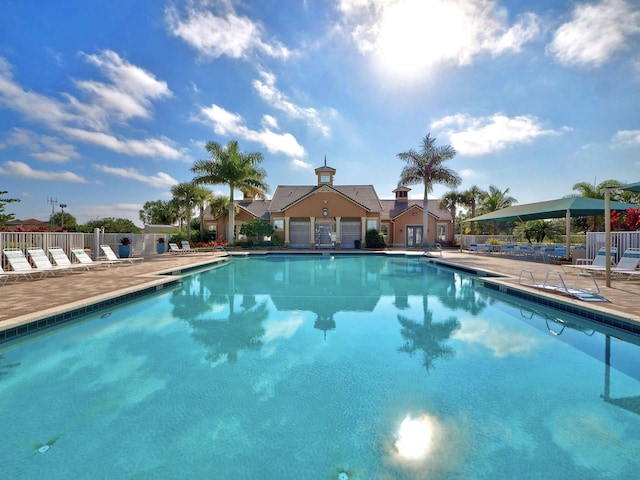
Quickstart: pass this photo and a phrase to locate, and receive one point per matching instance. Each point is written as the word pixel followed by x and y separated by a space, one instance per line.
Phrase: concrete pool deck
pixel 25 301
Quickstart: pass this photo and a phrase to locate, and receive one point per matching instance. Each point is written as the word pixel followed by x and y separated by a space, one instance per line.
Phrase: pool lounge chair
pixel 114 260
pixel 20 265
pixel 85 259
pixel 594 265
pixel 628 264
pixel 42 262
pixel 174 248
pixel 586 294
pixel 60 258
pixel 186 246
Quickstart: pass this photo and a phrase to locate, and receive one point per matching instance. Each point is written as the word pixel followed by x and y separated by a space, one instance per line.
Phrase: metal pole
pixel 607 236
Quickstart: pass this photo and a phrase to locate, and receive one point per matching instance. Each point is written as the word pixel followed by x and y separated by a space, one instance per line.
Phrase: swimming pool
pixel 322 367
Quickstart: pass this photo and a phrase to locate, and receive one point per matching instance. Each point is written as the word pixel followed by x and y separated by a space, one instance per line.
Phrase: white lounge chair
pixel 42 262
pixel 628 264
pixel 20 265
pixel 186 246
pixel 597 264
pixel 174 248
pixel 114 260
pixel 86 260
pixel 60 258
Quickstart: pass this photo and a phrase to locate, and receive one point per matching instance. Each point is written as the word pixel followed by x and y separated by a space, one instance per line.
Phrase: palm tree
pixel 496 199
pixel 185 192
pixel 202 197
pixel 426 167
pixel 229 166
pixel 471 199
pixel 595 191
pixel 450 202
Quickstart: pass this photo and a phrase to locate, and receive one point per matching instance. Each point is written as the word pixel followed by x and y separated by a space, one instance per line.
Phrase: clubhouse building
pixel 326 215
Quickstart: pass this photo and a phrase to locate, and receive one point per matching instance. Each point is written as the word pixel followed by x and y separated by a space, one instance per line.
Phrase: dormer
pixel 402 194
pixel 325 174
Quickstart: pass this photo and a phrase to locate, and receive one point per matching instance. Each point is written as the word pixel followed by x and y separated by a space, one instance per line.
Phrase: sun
pixel 415 437
pixel 415 35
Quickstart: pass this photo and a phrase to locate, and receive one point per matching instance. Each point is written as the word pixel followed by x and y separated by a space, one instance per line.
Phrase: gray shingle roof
pixel 286 195
pixel 392 208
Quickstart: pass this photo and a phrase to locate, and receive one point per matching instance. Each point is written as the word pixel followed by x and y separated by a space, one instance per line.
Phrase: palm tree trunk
pixel 425 219
pixel 232 214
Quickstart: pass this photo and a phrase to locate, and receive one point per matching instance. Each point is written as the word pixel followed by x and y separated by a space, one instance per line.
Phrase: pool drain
pixel 43 448
pixel 343 476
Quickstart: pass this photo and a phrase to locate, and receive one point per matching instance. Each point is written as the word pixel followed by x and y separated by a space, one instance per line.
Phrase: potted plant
pixel 124 250
pixel 160 245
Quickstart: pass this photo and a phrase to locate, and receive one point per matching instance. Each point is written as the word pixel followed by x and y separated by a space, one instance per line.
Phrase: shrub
pixel 375 239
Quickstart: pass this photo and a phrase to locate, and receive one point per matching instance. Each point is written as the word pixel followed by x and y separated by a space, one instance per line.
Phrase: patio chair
pixel 186 246
pixel 597 263
pixel 86 260
pixel 628 264
pixel 174 248
pixel 114 260
pixel 42 262
pixel 60 258
pixel 20 265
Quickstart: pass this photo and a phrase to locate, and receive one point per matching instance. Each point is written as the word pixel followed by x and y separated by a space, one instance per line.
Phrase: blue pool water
pixel 322 367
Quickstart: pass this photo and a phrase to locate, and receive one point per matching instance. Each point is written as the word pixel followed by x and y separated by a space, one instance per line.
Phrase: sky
pixel 105 105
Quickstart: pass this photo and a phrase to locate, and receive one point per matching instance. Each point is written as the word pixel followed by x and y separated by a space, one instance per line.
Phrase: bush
pixel 375 239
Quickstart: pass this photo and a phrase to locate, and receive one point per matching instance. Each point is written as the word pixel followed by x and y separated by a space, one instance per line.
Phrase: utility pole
pixel 53 202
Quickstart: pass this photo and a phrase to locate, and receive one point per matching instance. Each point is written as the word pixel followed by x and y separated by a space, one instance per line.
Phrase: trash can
pixel 356 244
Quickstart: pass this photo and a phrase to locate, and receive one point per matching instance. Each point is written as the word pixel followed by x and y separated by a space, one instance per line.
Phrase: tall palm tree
pixel 426 167
pixel 185 193
pixel 229 166
pixel 471 198
pixel 450 202
pixel 496 199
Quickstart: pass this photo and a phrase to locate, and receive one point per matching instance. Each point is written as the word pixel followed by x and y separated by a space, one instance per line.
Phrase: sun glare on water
pixel 415 437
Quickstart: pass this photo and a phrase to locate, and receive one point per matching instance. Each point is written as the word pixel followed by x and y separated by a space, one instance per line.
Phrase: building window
pixel 325 178
pixel 278 224
pixel 372 224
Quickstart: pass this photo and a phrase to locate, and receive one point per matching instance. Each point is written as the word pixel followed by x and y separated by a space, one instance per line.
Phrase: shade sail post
pixel 567 253
pixel 607 236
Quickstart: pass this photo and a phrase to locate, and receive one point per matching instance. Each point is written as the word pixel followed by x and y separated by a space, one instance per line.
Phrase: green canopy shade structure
pixel 632 187
pixel 563 207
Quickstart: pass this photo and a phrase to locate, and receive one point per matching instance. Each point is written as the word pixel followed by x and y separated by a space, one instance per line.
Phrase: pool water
pixel 322 367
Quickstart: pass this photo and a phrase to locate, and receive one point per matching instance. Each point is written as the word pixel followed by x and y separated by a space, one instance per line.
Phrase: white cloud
pixel 482 135
pixel 297 164
pixel 129 96
pixel 43 147
pixel 416 34
pixel 595 33
pixel 159 180
pixel 229 124
pixel 22 170
pixel 469 173
pixel 266 89
pixel 227 34
pixel 149 147
pixel 626 138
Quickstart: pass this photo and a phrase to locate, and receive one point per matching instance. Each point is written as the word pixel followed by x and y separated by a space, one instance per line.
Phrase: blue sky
pixel 105 105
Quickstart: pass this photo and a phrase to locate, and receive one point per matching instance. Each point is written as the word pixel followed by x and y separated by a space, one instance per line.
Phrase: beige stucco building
pixel 327 215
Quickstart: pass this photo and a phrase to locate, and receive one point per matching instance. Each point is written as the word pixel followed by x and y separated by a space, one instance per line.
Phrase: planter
pixel 124 251
pixel 160 247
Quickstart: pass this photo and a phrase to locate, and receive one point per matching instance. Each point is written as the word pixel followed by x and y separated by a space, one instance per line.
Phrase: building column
pixel 287 240
pixel 363 231
pixel 312 239
pixel 338 232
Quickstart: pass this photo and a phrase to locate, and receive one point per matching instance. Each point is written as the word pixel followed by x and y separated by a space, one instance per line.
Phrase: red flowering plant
pixel 628 221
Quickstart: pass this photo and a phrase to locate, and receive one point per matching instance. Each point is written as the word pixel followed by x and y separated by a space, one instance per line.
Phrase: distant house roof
pixel 30 223
pixel 363 195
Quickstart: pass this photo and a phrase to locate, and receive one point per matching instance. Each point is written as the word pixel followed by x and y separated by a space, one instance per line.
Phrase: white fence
pixel 141 244
pixel 620 240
